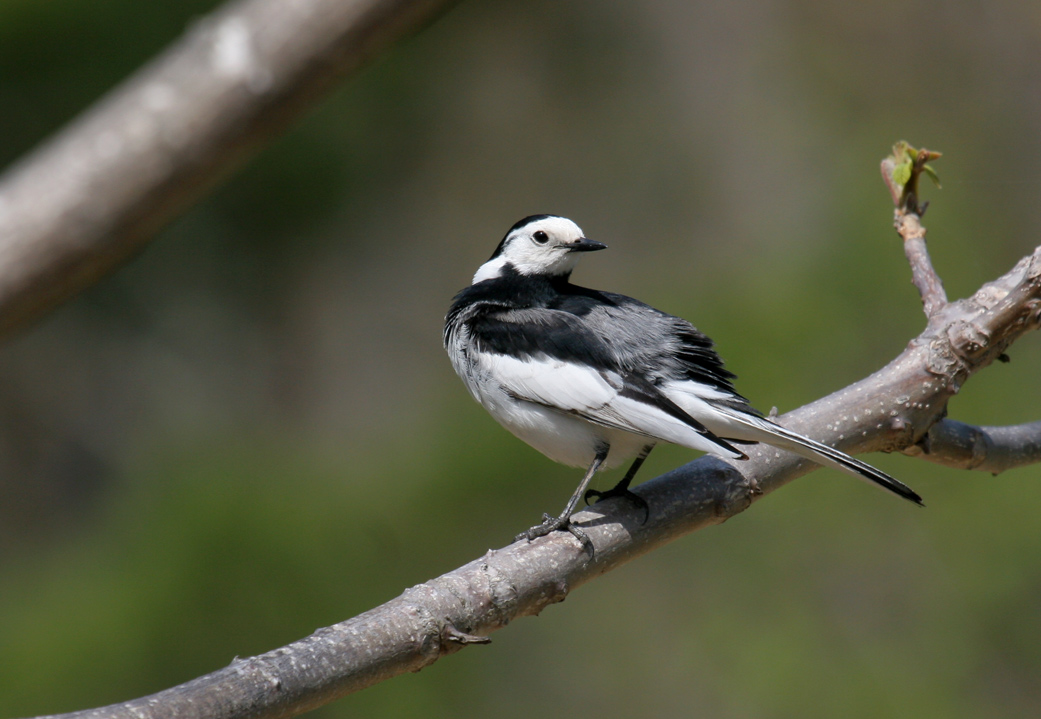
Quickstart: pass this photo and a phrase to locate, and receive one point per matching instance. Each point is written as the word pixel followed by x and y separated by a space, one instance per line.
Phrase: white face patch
pixel 541 247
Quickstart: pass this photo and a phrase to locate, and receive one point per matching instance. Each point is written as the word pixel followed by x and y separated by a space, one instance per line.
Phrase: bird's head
pixel 544 245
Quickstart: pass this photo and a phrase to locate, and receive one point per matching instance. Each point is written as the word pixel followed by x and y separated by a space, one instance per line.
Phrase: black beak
pixel 584 244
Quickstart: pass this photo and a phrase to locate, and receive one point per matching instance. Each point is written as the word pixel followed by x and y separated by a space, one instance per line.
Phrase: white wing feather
pixel 593 395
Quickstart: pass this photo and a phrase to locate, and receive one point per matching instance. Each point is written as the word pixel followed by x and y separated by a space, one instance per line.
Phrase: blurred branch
pixel 93 195
pixel 891 410
pixel 988 449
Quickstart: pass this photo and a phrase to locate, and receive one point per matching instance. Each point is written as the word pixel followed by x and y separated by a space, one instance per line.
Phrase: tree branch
pixel 901 172
pixel 988 449
pixel 91 196
pixel 923 276
pixel 891 410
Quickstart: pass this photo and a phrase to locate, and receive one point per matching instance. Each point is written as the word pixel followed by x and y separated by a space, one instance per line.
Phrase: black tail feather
pixel 829 456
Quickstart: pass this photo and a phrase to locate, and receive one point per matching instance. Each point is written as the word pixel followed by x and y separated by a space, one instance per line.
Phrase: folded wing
pixel 550 358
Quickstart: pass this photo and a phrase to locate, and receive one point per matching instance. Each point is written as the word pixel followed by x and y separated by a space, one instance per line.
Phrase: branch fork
pixel 977 330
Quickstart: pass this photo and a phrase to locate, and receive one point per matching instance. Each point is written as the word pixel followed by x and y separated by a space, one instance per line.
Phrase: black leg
pixel 622 488
pixel 563 522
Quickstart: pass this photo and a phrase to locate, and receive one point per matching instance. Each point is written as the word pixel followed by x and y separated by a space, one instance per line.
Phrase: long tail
pixel 776 435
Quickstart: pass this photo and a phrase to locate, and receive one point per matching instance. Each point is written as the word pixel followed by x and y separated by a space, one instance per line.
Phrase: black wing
pixel 658 345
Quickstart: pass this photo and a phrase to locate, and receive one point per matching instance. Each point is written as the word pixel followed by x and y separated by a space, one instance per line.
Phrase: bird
pixel 592 379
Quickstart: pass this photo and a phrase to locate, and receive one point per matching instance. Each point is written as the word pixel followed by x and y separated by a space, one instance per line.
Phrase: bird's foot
pixel 620 491
pixel 552 524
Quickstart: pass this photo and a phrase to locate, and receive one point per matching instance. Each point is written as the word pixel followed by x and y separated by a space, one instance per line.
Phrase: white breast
pixel 561 436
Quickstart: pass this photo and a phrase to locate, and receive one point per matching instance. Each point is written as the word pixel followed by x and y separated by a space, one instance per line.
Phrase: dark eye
pixel 540 237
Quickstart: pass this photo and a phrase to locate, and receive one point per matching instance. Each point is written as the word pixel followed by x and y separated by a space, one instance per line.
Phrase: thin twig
pixel 901 172
pixel 930 287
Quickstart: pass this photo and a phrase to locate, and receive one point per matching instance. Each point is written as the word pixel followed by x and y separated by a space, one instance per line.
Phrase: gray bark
pixel 987 449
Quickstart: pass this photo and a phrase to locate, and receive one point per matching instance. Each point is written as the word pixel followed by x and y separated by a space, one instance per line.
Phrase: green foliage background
pixel 250 431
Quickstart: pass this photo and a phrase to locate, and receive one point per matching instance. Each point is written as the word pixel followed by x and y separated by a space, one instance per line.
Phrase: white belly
pixel 561 437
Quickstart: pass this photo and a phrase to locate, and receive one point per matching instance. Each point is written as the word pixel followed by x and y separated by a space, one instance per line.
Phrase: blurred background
pixel 251 430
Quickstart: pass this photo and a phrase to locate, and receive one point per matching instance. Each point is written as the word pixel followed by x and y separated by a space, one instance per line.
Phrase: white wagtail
pixel 591 379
